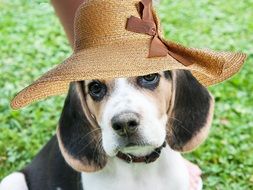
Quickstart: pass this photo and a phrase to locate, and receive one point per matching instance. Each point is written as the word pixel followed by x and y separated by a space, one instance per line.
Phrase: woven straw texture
pixel 105 49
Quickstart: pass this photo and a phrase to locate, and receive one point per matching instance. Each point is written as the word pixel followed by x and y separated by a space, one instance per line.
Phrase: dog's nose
pixel 125 124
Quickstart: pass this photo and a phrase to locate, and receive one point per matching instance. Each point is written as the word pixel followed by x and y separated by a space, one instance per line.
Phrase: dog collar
pixel 129 158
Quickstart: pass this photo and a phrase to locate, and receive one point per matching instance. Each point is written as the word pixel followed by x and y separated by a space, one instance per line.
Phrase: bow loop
pixel 138 25
pixel 147 11
pixel 147 25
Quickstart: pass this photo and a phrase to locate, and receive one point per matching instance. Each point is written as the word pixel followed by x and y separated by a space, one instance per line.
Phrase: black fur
pixel 49 171
pixel 168 75
pixel 78 137
pixel 191 109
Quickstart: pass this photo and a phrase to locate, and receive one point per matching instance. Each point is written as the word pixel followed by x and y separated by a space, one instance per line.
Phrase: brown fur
pixel 96 108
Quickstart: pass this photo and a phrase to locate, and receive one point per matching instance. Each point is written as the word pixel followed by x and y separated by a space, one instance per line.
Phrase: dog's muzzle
pixel 129 158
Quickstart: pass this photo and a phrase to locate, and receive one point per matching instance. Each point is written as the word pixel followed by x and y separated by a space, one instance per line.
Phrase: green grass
pixel 32 41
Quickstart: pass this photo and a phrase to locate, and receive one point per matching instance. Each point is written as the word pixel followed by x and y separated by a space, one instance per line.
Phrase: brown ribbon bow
pixel 147 25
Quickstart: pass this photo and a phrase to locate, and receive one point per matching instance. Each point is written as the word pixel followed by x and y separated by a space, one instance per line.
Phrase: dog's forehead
pixel 110 83
pixel 114 84
pixel 105 81
pixel 128 80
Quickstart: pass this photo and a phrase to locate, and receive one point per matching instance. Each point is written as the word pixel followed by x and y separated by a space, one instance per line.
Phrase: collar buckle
pixel 129 158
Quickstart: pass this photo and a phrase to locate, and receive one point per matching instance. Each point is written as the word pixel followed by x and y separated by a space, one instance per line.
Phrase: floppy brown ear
pixel 79 140
pixel 192 112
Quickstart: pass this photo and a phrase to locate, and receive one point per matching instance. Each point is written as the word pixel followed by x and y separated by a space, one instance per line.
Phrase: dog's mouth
pixel 149 158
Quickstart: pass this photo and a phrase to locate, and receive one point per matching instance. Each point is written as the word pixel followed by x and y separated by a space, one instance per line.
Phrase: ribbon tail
pixel 203 58
pixel 157 48
pixel 186 61
pixel 135 24
pixel 147 10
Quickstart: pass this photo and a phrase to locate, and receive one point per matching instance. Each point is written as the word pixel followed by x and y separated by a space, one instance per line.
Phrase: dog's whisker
pixel 172 133
pixel 97 146
pixel 175 119
pixel 89 133
pixel 83 148
pixel 181 125
pixel 79 139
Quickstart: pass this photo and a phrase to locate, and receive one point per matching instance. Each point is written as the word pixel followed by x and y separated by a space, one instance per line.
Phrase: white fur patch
pixel 167 172
pixel 200 185
pixel 14 181
pixel 127 98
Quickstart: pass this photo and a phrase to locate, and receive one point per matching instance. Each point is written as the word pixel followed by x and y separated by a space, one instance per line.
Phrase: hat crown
pixel 105 48
pixel 100 22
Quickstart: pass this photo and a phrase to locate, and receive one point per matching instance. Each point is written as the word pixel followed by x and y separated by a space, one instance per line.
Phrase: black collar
pixel 129 158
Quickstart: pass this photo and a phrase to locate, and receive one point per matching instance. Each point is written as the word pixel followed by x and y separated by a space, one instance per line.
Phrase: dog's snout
pixel 125 124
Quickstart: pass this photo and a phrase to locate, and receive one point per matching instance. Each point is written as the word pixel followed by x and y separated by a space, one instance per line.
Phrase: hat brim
pixel 115 60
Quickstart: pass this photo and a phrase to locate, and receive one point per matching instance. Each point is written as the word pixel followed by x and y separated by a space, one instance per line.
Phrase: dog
pixel 112 134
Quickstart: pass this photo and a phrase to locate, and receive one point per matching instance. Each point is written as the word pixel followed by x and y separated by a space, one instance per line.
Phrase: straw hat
pixel 122 38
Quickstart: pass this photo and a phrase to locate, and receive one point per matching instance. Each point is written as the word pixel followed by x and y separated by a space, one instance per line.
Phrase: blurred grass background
pixel 32 41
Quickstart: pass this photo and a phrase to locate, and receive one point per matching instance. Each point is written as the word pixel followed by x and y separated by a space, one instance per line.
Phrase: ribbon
pixel 147 25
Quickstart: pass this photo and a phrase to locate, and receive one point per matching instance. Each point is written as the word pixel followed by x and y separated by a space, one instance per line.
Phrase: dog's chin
pixel 139 154
pixel 138 150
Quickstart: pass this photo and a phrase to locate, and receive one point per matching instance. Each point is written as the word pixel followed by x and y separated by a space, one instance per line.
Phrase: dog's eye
pixel 150 78
pixel 97 90
pixel 149 81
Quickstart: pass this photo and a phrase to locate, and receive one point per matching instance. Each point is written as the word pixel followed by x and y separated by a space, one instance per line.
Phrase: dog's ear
pixel 79 140
pixel 192 111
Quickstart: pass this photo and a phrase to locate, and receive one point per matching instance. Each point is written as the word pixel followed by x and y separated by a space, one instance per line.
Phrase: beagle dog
pixel 124 133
